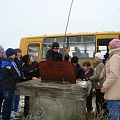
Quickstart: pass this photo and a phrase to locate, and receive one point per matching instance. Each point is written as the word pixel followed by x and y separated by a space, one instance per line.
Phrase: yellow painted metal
pixel 25 41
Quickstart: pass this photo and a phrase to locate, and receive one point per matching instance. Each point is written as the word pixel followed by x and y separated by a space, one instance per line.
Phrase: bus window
pixel 45 48
pixel 49 40
pixel 103 49
pixel 102 45
pixel 47 44
pixel 88 39
pixel 75 39
pixel 61 40
pixel 33 50
pixel 82 47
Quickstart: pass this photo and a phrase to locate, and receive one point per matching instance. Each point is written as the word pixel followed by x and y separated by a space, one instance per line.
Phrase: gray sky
pixel 22 18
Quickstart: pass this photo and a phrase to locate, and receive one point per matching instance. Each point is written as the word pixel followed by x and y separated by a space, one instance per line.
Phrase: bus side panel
pixel 107 36
pixel 23 46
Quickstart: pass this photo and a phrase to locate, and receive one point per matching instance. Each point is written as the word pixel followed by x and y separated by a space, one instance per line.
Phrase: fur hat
pixel 55 45
pixel 99 55
pixel 115 43
pixel 1 49
pixel 10 52
pixel 26 59
pixel 74 59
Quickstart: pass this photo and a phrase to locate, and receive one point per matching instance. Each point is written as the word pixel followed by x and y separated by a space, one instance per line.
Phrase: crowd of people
pixel 105 79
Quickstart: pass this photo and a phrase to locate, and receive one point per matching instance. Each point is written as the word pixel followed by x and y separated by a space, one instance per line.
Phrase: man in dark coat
pixel 30 71
pixel 78 69
pixel 53 55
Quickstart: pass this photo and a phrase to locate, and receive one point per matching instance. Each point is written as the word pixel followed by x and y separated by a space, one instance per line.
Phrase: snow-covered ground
pixel 21 106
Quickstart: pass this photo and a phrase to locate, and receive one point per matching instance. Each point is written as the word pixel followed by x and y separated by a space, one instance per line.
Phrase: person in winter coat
pixel 97 82
pixel 10 74
pixel 16 98
pixel 53 55
pixel 111 86
pixel 78 68
pixel 30 71
pixel 1 90
pixel 88 72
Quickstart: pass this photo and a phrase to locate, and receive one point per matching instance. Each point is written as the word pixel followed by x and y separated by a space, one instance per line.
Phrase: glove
pixel 86 79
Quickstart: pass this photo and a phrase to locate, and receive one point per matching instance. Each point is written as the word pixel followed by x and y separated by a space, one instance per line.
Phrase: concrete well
pixel 55 101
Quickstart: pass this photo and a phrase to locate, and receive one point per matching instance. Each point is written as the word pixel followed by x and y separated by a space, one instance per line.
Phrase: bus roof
pixel 74 34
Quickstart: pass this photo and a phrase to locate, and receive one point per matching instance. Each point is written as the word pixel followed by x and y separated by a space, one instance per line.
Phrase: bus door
pixel 35 49
pixel 102 45
pixel 103 41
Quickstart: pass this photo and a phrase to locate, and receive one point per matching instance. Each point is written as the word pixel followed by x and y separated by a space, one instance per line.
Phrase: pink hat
pixel 115 43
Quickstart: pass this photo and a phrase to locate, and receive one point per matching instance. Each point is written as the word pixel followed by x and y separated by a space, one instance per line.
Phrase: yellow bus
pixel 82 45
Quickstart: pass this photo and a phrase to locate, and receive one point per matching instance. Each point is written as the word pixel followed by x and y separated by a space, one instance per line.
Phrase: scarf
pixel 104 71
pixel 86 72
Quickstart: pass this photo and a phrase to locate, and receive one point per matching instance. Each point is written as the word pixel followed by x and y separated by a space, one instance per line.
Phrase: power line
pixel 59 26
pixel 62 25
pixel 72 23
pixel 71 20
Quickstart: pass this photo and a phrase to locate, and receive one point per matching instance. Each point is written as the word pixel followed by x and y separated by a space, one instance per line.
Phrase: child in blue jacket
pixel 10 74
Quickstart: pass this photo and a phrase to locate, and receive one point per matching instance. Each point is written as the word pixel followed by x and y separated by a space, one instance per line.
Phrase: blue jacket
pixel 1 73
pixel 10 74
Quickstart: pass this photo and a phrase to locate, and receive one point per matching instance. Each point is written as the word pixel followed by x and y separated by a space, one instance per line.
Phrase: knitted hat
pixel 1 49
pixel 10 52
pixel 26 59
pixel 99 55
pixel 55 45
pixel 74 59
pixel 115 43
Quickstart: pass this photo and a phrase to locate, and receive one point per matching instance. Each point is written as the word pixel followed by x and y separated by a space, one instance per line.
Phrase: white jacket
pixel 112 82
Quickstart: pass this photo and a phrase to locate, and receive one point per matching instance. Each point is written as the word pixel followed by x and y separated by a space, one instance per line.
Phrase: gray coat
pixel 97 82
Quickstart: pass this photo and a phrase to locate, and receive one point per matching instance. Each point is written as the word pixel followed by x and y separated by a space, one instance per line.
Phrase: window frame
pixel 36 51
pixel 82 39
pixel 81 42
pixel 67 42
pixel 51 43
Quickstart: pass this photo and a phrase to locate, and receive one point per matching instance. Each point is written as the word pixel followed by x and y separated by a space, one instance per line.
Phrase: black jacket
pixel 89 74
pixel 18 63
pixel 52 56
pixel 9 74
pixel 79 71
pixel 19 66
pixel 29 71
